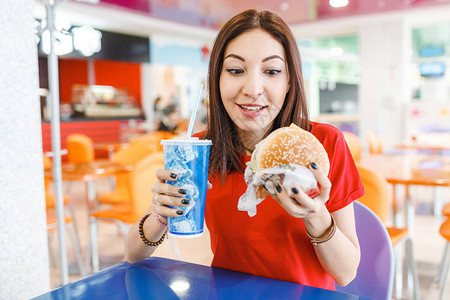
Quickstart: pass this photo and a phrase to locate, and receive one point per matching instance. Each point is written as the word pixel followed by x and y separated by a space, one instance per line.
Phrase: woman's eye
pixel 272 72
pixel 235 71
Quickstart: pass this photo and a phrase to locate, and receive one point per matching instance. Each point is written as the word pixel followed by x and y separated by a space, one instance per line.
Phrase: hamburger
pixel 289 145
pixel 286 148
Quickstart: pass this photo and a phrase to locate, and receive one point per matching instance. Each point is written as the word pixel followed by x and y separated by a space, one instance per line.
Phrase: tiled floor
pixel 428 244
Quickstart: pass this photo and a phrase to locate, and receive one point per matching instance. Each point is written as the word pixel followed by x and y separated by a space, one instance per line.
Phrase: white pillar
pixel 24 259
pixel 385 60
pixel 148 94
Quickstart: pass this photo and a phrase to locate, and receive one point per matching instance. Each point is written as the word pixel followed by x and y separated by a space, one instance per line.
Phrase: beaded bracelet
pixel 141 233
pixel 319 240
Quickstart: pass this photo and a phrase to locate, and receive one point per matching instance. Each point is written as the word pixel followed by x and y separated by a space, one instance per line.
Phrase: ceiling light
pixel 62 25
pixel 338 3
pixel 284 6
pixel 63 43
pixel 87 40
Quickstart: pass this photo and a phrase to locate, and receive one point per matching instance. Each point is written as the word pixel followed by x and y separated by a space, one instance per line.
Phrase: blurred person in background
pixel 169 119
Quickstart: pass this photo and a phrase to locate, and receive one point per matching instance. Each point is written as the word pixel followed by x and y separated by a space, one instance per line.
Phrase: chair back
pixel 378 196
pixel 50 201
pixel 48 164
pixel 354 144
pixel 374 142
pixel 376 268
pixel 132 154
pixel 80 148
pixel 444 230
pixel 129 156
pixel 142 178
pixel 153 139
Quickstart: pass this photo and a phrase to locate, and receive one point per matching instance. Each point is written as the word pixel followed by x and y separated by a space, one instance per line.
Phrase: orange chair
pixel 378 198
pixel 52 226
pixel 128 157
pixel 47 162
pixel 49 197
pixel 446 210
pixel 354 144
pixel 80 148
pixel 444 267
pixel 141 178
pixel 69 221
pixel 374 142
pixel 153 139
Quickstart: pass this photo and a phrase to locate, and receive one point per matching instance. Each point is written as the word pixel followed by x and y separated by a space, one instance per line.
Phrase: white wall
pixel 385 57
pixel 389 58
pixel 24 260
pixel 385 60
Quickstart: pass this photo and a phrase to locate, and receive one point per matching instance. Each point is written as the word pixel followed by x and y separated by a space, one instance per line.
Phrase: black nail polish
pixel 173 175
pixel 278 187
pixel 179 212
pixel 314 166
pixel 294 190
pixel 185 201
pixel 182 191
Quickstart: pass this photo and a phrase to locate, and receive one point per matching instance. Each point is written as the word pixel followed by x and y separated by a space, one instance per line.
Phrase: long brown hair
pixel 225 154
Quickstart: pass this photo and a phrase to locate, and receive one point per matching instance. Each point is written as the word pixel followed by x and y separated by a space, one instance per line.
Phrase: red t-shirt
pixel 273 243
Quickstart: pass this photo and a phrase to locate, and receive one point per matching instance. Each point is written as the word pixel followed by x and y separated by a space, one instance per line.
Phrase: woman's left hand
pixel 297 203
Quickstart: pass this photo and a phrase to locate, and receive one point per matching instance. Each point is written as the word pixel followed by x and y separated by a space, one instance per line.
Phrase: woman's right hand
pixel 165 195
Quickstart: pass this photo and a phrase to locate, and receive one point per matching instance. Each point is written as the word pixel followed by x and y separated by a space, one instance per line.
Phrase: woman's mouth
pixel 251 108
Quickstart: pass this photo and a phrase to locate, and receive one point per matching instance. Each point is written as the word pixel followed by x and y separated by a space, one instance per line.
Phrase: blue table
pixel 161 278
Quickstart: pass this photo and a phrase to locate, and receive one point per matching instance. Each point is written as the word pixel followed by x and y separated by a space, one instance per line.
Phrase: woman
pixel 255 87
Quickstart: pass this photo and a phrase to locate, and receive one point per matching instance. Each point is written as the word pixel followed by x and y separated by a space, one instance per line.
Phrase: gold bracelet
pixel 319 240
pixel 141 233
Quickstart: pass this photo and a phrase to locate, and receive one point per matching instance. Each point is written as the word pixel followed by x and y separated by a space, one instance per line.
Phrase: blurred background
pixel 128 76
pixel 367 65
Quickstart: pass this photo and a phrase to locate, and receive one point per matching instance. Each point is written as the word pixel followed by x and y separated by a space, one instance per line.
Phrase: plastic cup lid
pixel 185 140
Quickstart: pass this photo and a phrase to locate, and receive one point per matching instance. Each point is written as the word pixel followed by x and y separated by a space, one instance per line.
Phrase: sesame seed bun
pixel 289 145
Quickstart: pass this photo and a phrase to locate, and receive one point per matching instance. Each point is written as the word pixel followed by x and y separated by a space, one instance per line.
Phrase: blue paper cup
pixel 189 158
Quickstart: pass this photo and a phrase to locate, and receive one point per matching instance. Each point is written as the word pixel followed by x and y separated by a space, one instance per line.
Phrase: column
pixel 385 53
pixel 23 235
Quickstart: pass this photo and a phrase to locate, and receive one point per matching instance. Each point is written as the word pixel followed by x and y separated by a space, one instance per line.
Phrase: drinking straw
pixel 194 112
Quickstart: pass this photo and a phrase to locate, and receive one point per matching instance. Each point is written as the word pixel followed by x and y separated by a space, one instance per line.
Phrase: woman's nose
pixel 252 85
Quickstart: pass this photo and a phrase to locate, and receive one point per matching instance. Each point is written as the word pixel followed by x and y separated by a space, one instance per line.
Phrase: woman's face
pixel 254 80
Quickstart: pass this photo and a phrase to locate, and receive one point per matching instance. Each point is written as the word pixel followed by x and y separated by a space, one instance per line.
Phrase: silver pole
pixel 56 141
